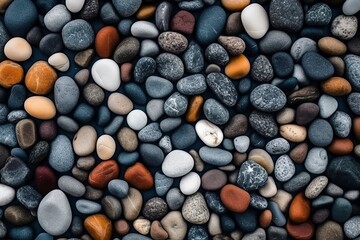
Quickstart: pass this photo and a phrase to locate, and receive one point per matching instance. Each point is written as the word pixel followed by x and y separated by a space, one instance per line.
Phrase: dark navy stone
pixel 247 221
pixel 288 85
pixel 3 94
pixel 17 97
pixel 276 233
pixel 319 14
pixel 228 224
pixel 39 152
pixel 28 197
pixel 316 67
pixel 4 38
pixel 21 233
pixel 51 43
pixel 114 125
pixel 244 104
pixel 215 53
pixel 278 217
pixel 108 14
pixel 84 113
pixel 215 112
pixel 341 210
pixel 193 58
pixel 268 98
pixel 45 5
pixel 244 85
pixel 151 154
pixel 19 153
pixel 282 64
pixel 15 173
pixel 263 123
pixel 124 27
pixel 261 69
pixel 223 88
pixel 184 136
pixel 344 171
pixel 135 93
pixel 197 232
pixel 144 68
pixel 77 35
pixel 103 116
pixel 320 133
pixel 192 84
pixel 286 15
pixel 163 16
pixel 315 33
pixel 20 17
pixel 251 176
pixel 210 24
pixel 252 48
pixel 34 36
pixel 214 203
pixel 128 158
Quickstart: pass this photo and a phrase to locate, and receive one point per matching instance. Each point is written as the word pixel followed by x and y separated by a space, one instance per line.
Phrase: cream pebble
pixel 105 147
pixel 293 132
pixel 74 6
pixel 84 141
pixel 209 133
pixel 190 183
pixel 144 29
pixel 18 49
pixel 59 61
pixel 255 20
pixel 136 119
pixel 40 107
pixel 106 74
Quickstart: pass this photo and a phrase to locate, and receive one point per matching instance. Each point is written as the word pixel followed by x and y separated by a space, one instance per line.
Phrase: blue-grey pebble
pixel 44 236
pixel 109 15
pixel 193 58
pixel 197 232
pixel 20 17
pixel 124 26
pixel 215 112
pixel 192 5
pixel 283 64
pixel 56 18
pixel 278 217
pixel 163 16
pixel 192 84
pixel 244 104
pixel 341 123
pixel 61 157
pixel 169 124
pixel 119 188
pixel 215 156
pixel 277 233
pixel 322 201
pixel 77 35
pixel 4 38
pixel 252 48
pixel 83 113
pixel 320 133
pixel 66 94
pixel 71 186
pixel 144 68
pixel 353 101
pixel 341 210
pixel 175 199
pixel 19 153
pixel 103 116
pixel 4 111
pixel 247 221
pixel 275 41
pixel 17 97
pixel 165 144
pixel 278 146
pixel 223 88
pixel 176 105
pixel 214 203
pixel 210 24
pixel 135 93
pixel 162 183
pixel 287 15
pixel 257 140
pixel 28 197
pixel 151 154
pixel 317 67
pixel 351 227
pixel 51 43
pixel 135 236
pixel 170 66
pixel 215 53
pixel 128 158
pixel 3 229
pixel 15 173
pixel 318 14
pixel 67 124
pixel 184 136
pixel 150 133
pixel 288 85
pixel 263 123
pixel 158 87
pixel 284 168
pixel 8 136
pixel 258 202
pixel 228 144
pixel 227 223
pixel 126 8
pixel 261 69
pixel 301 46
pixel 87 207
pixel 297 182
pixel 352 64
pixel 21 233
pixel 155 109
pixel 114 125
pixel 251 176
pixel 244 85
pixel 315 32
pixel 268 98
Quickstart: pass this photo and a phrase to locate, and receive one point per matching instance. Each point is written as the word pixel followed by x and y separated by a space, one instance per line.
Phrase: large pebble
pixel 344 172
pixel 251 176
pixel 18 49
pixel 56 18
pixel 195 209
pixel 215 156
pixel 132 204
pixel 171 167
pixel 66 94
pixel 40 107
pixel 316 66
pixel 119 103
pixel 61 156
pixel 40 78
pixel 84 141
pixel 351 227
pixel 286 15
pixel 316 160
pixel 275 41
pixel 193 58
pixel 255 28
pixel 268 98
pixel 126 8
pixel 54 213
pixel 175 225
pixel 15 173
pixel 7 194
pixel 71 186
pixel 106 74
pixel 169 66
pixel 320 133
pixel 223 88
pixel 344 27
pixel 263 123
pixel 77 35
pixel 192 85
pixel 176 105
pixel 144 29
pixel 209 133
pixel 316 186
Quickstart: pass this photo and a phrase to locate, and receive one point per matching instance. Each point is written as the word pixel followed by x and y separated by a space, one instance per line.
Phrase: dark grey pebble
pixel 193 58
pixel 275 41
pixel 341 210
pixel 184 136
pixel 34 36
pixel 162 183
pixel 84 113
pixel 4 38
pixel 124 26
pixel 214 203
pixel 175 199
pixel 192 85
pixel 322 201
pixel 319 14
pixel 263 123
pixel 76 227
pixel 77 35
pixel 258 202
pixel 66 94
pixel 4 111
pixel 45 5
pixel 23 233
pixel 163 16
pixel 344 171
pixel 144 68
pixel 39 152
pixel 126 8
pixel 286 15
pixel 15 173
pixel 135 93
pixel 247 221
pixel 215 53
pixel 128 158
pixel 320 133
pixel 283 64
pixel 277 233
pixel 112 207
pixel 352 63
pixel 317 67
pixel 169 66
pixel 67 124
pixel 268 98
pixel 17 97
pixel 261 69
pixel 227 223
pixel 244 85
pixel 19 153
pixel 251 176
pixel 353 101
pixel 197 232
pixel 127 50
pixel 192 5
pixel 223 88
pixel 103 116
pixel 176 105
pixel 109 15
pixel 114 125
pixel 90 10
pixel 341 123
pixel 150 133
pixel 155 208
pixel 215 156
pixel 158 87
pixel 151 154
pixel 169 124
pixel 278 217
pixel 215 112
pixel 297 182
pixel 51 43
pixel 119 188
pixel 28 197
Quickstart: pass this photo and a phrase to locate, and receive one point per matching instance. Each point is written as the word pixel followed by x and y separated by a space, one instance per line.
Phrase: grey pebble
pixel 319 14
pixel 93 94
pixel 286 15
pixel 119 188
pixel 28 197
pixel 352 63
pixel 8 136
pixel 16 115
pixel 258 202
pixel 165 144
pixel 297 182
pixel 86 207
pixel 192 5
pixel 66 94
pixel 126 8
pixel 61 156
pixel 175 199
pixel 268 98
pixel 176 105
pixel 169 124
pixel 316 160
pixel 170 66
pixel 150 133
pixel 67 124
pixel 341 123
pixel 284 168
pixel 251 176
pixel 278 217
pixel 144 68
pixel 278 146
pixel 15 173
pixel 193 58
pixel 151 154
pixel 214 203
pixel 162 183
pixel 57 17
pixel 263 123
pixel 275 41
pixel 352 227
pixel 158 87
pixel 109 15
pixel 112 207
pixel 4 111
pixel 71 186
pixel 163 16
pixel 215 156
pixel 184 136
pixel 114 125
pixel 320 133
pixel 192 85
pixel 261 69
pixel 124 26
pixel 215 112
pixel 301 46
pixel 328 105
pixel 155 109
pixel 77 35
pixel 215 53
pixel 223 88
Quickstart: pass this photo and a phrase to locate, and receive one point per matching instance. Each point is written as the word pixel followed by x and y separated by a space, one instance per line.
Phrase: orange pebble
pixel 106 41
pixel 103 173
pixel 265 218
pixel 356 127
pixel 300 208
pixel 341 146
pixel 139 176
pixel 40 78
pixel 145 12
pixel 336 86
pixel 238 67
pixel 194 110
pixel 11 73
pixel 98 226
pixel 234 198
pixel 303 231
pixel 235 5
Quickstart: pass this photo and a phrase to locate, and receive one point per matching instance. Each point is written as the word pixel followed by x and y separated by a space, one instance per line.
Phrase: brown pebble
pixel 18 215
pixel 48 130
pixel 93 193
pixel 233 45
pixel 338 64
pixel 306 112
pixel 234 24
pixel 157 232
pixel 265 218
pixel 303 231
pixel 145 12
pixel 213 180
pixel 320 215
pixel 305 94
pixel 239 158
pixel 79 174
pixel 86 163
pixel 128 139
pixel 341 146
pixel 356 127
pixel 82 77
pixel 332 46
pixel 212 68
pixel 237 126
pixel 84 58
pixel 299 153
pixel 194 109
pixel 121 227
pixel 183 22
pixel 126 72
pixel 199 164
pixel 336 86
pixel 26 133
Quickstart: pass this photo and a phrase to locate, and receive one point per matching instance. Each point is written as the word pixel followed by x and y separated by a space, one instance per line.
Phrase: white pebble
pixel 74 6
pixel 144 29
pixel 255 20
pixel 136 119
pixel 106 74
pixel 242 143
pixel 209 133
pixel 7 194
pixel 177 163
pixel 190 183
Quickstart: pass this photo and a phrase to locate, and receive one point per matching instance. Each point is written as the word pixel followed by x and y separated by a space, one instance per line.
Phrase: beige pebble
pixel 175 225
pixel 236 235
pixel 128 139
pixel 199 164
pixel 269 189
pixel 214 225
pixel 18 49
pixel 261 157
pixel 285 116
pixel 84 141
pixel 293 132
pixel 316 186
pixel 40 107
pixel 132 204
pixel 105 147
pixel 119 104
pixel 142 226
pixel 283 199
pixel 59 61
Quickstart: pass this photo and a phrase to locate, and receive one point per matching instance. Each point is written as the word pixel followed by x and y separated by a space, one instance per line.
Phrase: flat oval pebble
pixel 144 29
pixel 171 167
pixel 40 107
pixel 106 74
pixel 77 35
pixel 284 168
pixel 268 98
pixel 8 194
pixel 209 28
pixel 17 49
pixel 190 183
pixel 215 156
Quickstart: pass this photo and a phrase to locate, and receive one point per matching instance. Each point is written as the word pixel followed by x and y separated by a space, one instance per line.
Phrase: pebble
pixel 74 6
pixel 11 73
pixel 87 207
pixel 28 197
pixel 169 66
pixel 106 74
pixel 320 133
pixel 132 204
pixel 40 78
pixel 99 226
pixel 126 50
pixel 209 28
pixel 17 49
pixel 103 173
pixel 316 186
pixel 318 15
pixel 268 98
pixel 56 18
pixel 284 168
pixel 209 133
pixel 173 168
pixel 195 210
pixel 345 176
pixel 176 105
pixel 172 42
pixel 327 105
pixel 54 213
pixel 8 194
pixel 278 146
pixel 192 85
pixel 144 68
pixel 59 61
pixel 112 207
pixel 119 103
pixel 235 198
pixel 144 29
pixel 286 15
pixel 183 137
pixel 263 123
pixel 77 35
pixel 215 53
pixel 344 27
pixel 251 175
pixel 136 119
pixel 193 58
pixel 316 67
pixel 255 30
pixel 158 87
pixel 66 94
pixel 61 156
pixel 351 227
pixel 150 133
pixel 215 156
pixel 51 43
pixel 109 35
pixel 223 88
pixel 175 225
pixel 84 141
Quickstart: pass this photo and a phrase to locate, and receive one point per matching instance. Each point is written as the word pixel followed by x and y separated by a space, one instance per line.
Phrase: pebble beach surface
pixel 196 119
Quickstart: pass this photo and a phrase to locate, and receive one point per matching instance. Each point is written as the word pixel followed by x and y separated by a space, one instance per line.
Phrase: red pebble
pixel 183 22
pixel 45 179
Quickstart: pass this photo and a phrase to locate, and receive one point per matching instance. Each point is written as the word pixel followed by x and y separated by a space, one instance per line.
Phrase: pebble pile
pixel 196 119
